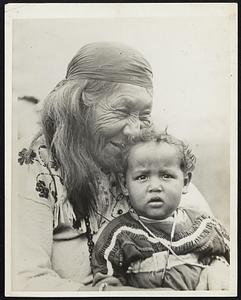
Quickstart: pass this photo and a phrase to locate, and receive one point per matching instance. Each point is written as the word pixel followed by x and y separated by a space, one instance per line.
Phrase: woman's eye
pixel 123 111
pixel 146 122
pixel 146 119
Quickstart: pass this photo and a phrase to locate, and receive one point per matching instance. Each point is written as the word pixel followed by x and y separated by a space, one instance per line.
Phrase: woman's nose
pixel 132 128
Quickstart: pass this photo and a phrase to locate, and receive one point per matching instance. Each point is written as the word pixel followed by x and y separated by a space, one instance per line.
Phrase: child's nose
pixel 155 185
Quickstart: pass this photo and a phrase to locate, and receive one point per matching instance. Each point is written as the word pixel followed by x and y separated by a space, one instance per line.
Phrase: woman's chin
pixel 109 157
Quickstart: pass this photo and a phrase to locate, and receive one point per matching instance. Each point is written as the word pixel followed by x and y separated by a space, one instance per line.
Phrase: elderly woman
pixel 72 190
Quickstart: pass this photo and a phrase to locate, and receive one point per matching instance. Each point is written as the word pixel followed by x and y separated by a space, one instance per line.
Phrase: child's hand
pixel 214 277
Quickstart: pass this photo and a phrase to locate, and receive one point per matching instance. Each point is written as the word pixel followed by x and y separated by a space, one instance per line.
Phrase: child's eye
pixel 166 176
pixel 141 177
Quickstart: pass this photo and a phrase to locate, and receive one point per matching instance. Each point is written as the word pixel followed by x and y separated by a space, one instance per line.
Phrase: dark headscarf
pixel 110 62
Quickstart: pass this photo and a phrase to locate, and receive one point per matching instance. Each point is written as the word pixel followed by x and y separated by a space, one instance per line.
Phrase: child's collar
pixel 148 220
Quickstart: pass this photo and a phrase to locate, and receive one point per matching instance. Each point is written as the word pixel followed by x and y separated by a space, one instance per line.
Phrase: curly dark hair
pixel 188 159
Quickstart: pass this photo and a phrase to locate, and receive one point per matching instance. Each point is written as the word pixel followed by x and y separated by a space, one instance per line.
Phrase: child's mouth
pixel 157 201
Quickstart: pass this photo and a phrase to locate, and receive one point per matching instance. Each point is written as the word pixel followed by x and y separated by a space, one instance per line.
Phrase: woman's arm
pixel 214 277
pixel 33 250
pixel 33 236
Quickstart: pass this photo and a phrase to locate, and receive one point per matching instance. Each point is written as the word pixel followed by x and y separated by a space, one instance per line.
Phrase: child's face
pixel 154 179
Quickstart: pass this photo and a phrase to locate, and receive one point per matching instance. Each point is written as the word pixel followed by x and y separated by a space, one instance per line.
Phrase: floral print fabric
pixel 49 185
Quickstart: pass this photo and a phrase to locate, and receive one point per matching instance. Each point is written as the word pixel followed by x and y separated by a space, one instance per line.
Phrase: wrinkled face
pixel 154 180
pixel 120 116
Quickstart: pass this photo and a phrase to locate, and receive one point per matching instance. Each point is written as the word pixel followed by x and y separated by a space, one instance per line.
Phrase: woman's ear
pixel 122 181
pixel 187 180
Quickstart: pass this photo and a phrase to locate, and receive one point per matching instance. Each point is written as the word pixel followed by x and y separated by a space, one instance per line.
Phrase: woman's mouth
pixel 118 145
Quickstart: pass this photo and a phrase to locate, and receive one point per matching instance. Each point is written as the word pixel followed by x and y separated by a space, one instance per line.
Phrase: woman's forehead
pixel 129 95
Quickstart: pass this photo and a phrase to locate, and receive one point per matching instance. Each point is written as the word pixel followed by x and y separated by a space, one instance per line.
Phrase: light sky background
pixel 190 52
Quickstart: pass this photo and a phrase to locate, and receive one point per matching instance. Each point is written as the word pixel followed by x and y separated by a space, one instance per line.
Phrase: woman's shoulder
pixel 42 182
pixel 37 152
pixel 39 171
pixel 195 200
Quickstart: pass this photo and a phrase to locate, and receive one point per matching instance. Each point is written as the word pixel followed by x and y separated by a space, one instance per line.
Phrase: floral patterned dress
pixel 48 241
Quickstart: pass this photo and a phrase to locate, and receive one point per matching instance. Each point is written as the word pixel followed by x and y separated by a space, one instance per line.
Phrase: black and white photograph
pixel 120 149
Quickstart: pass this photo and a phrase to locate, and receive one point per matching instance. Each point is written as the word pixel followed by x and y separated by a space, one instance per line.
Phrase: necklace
pixel 168 246
pixel 169 249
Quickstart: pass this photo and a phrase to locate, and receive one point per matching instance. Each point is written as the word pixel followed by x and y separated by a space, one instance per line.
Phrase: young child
pixel 158 243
